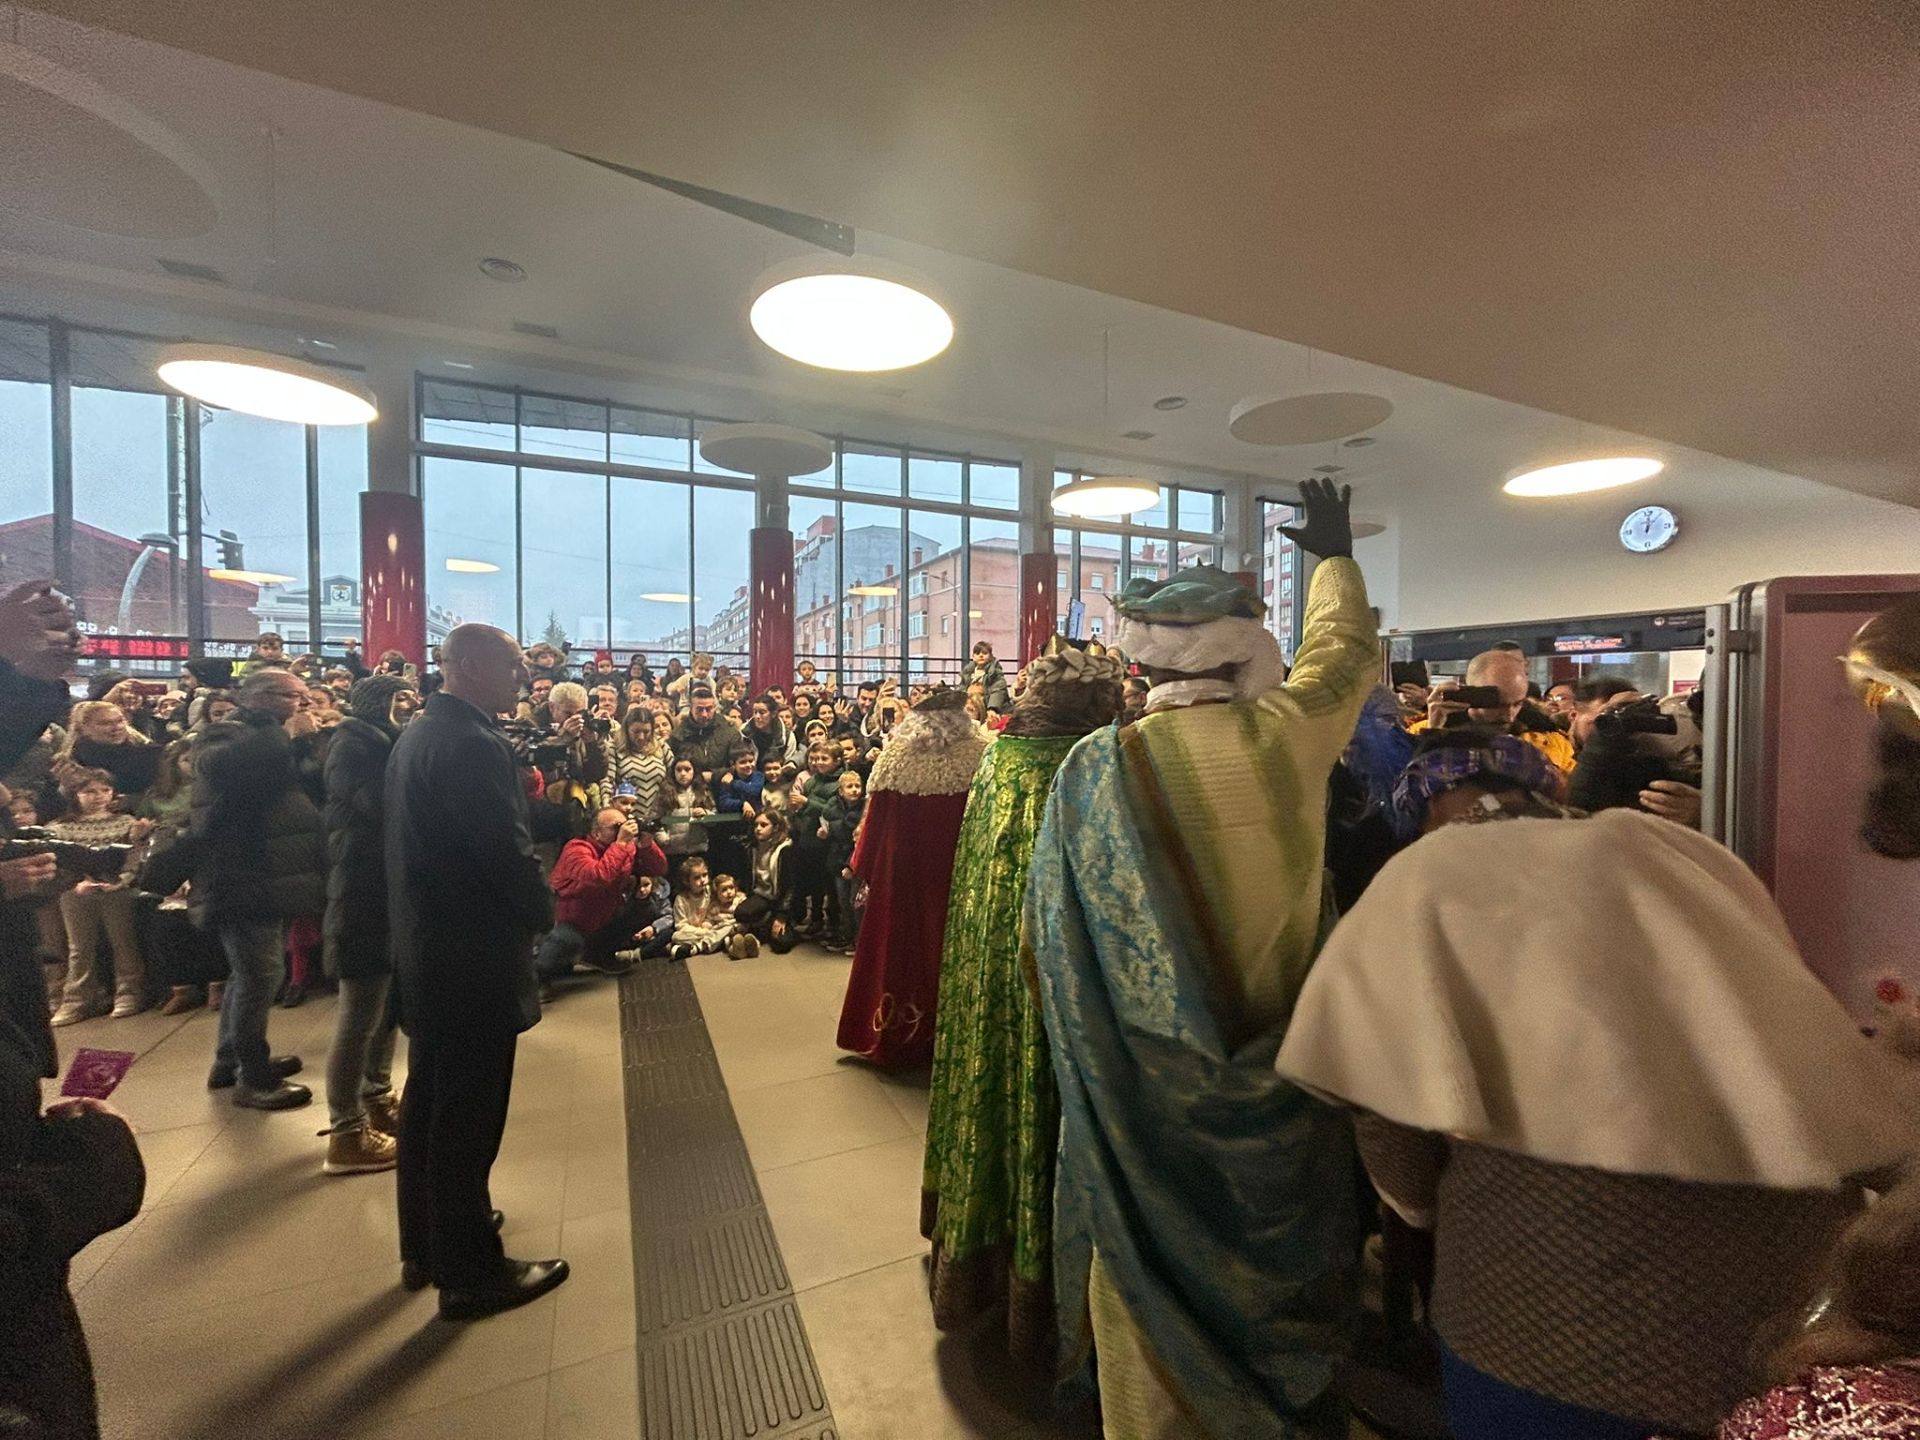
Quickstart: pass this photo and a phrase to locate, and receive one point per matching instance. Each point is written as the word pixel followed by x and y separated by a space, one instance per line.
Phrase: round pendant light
pixel 274 387
pixel 848 316
pixel 1105 497
pixel 1581 477
pixel 473 567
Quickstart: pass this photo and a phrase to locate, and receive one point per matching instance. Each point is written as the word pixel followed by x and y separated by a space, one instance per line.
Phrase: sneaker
pixel 125 1005
pixel 628 958
pixel 284 1096
pixel 359 1151
pixel 750 947
pixel 612 964
pixel 680 952
pixel 383 1112
pixel 74 1014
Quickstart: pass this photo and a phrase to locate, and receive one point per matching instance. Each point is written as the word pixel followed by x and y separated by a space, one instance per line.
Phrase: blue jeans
pixel 1480 1407
pixel 256 962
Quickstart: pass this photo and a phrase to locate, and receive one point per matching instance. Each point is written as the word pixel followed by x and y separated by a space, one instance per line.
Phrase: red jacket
pixel 591 884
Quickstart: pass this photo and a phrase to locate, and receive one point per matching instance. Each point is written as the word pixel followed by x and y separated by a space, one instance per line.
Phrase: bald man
pixel 1505 671
pixel 465 899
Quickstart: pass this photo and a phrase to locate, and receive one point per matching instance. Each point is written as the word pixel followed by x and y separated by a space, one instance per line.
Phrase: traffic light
pixel 231 556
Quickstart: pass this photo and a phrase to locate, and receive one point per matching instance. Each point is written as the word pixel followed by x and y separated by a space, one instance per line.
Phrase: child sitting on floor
pixel 728 895
pixel 700 925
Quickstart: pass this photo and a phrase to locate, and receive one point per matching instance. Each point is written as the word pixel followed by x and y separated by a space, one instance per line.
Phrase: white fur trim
pixel 931 752
pixel 1247 645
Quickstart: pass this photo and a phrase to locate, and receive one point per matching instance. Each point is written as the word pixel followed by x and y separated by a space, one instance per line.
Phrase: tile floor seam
pixel 836 1154
pixel 918 1255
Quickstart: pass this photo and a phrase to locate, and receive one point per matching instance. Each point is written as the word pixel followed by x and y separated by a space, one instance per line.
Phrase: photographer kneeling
pixel 596 915
pixel 1641 753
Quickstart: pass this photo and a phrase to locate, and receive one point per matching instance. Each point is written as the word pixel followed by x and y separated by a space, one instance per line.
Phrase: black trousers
pixel 451 1119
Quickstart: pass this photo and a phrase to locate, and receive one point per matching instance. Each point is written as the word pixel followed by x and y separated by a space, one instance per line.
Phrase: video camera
pixel 1641 717
pixel 89 862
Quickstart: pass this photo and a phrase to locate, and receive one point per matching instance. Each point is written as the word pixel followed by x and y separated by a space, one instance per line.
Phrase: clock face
pixel 1650 528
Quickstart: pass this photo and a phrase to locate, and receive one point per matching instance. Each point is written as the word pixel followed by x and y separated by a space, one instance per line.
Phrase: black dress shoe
pixel 520 1282
pixel 292 995
pixel 221 1077
pixel 413 1273
pixel 283 1096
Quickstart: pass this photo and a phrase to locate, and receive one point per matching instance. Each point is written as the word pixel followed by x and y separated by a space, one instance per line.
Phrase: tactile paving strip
pixel 723 1354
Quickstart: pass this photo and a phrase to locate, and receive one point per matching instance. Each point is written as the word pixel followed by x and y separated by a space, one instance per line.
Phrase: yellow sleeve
pixel 1336 666
pixel 1556 747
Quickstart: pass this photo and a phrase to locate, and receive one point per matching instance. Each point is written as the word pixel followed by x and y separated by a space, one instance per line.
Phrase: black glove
pixel 1327 530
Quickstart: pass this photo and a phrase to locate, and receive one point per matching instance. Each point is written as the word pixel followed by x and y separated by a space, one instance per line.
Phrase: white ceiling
pixel 1681 218
pixel 348 220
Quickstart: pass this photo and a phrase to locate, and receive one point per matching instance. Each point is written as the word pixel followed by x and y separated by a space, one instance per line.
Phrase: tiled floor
pixel 256 1299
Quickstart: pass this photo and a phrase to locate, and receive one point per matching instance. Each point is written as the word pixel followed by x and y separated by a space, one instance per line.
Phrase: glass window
pixel 129 488
pixel 870 570
pixel 472 415
pixel 1097 580
pixel 26 450
pixel 343 476
pixel 1199 511
pixel 722 530
pixel 575 429
pixel 931 477
pixel 917 626
pixel 816 582
pixel 1154 517
pixel 870 471
pixel 653 590
pixel 993 485
pixel 468 514
pixel 644 437
pixel 993 587
pixel 253 506
pixel 936 560
pixel 563 577
pixel 1149 556
pixel 1280 569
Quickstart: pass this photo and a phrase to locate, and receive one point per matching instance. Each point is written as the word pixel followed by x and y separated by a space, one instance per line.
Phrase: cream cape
pixel 1618 992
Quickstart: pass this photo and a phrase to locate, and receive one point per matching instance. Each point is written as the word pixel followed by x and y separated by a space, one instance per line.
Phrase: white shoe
pixel 74 1014
pixel 126 1005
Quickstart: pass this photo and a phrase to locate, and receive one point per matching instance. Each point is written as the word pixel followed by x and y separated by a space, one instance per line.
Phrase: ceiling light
pixel 976 614
pixel 1171 402
pixel 670 597
pixel 848 320
pixel 1578 477
pixel 270 386
pixel 873 590
pixel 505 271
pixel 472 567
pixel 458 364
pixel 250 577
pixel 1358 442
pixel 1103 497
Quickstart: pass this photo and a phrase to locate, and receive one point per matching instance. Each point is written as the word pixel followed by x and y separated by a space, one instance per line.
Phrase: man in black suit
pixel 465 899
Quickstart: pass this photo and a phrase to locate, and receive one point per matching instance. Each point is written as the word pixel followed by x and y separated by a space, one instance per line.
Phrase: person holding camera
pixel 594 912
pixel 1637 752
pixel 1495 698
pixel 262 862
pixel 72 1172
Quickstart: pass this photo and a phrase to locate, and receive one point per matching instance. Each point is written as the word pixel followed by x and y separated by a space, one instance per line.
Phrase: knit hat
pixel 371 699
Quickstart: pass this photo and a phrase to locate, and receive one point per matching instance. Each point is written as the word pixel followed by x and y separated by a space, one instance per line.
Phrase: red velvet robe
pixel 905 855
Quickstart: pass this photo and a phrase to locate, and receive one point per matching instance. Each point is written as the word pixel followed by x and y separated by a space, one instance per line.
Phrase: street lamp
pixel 150 544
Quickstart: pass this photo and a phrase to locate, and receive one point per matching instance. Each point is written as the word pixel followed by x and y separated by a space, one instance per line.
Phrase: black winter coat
pixel 355 931
pixel 265 850
pixel 464 892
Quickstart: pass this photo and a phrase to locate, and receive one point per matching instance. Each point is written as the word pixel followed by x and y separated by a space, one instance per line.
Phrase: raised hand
pixel 37 634
pixel 1327 530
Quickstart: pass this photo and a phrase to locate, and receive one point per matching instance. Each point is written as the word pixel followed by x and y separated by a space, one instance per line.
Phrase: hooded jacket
pixel 355 931
pixel 265 851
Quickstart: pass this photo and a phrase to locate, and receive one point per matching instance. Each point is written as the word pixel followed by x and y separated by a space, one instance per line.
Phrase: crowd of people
pixel 1219 968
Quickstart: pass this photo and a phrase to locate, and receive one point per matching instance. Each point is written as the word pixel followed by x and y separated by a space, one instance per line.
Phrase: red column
pixel 393 562
pixel 770 608
pixel 1038 609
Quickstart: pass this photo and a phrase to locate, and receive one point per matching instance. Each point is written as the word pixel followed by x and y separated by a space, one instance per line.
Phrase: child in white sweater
pixel 701 925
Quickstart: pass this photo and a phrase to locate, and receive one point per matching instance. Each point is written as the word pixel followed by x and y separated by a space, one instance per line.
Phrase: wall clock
pixel 1649 529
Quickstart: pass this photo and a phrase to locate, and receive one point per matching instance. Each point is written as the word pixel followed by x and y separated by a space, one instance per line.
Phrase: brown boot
pixel 360 1151
pixel 383 1112
pixel 181 1001
pixel 216 991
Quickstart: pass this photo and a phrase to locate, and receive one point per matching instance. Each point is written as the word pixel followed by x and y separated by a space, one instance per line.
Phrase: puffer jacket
pixel 265 850
pixel 355 932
